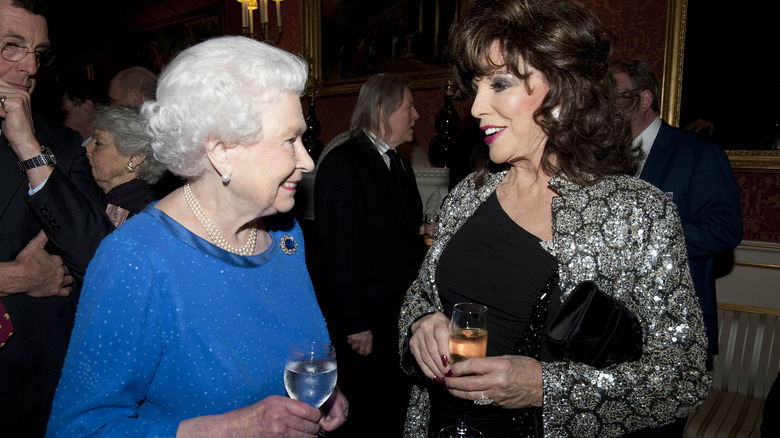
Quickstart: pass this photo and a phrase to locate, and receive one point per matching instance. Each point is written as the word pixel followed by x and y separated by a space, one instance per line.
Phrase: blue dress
pixel 171 327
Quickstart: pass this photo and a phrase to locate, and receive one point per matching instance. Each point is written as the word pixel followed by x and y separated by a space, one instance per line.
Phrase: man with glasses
pixel 50 226
pixel 698 178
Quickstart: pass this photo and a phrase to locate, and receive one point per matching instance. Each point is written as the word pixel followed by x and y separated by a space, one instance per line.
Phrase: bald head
pixel 132 87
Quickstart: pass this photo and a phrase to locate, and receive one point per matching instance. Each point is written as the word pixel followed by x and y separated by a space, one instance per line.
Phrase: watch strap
pixel 36 161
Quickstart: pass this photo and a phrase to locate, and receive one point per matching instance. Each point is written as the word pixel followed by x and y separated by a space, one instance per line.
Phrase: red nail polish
pixel 444 359
pixel 449 373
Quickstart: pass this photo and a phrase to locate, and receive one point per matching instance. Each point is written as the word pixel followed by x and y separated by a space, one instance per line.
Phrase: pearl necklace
pixel 214 233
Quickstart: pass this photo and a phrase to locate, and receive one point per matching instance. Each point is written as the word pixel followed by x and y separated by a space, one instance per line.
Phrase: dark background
pixel 730 73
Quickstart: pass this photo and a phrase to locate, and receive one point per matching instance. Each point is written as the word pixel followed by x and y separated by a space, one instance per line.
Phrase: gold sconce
pixel 248 8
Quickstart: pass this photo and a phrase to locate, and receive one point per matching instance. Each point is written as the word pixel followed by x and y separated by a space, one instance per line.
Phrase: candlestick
pixel 278 13
pixel 265 11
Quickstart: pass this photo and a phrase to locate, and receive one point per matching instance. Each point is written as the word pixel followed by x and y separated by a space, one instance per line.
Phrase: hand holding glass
pixel 468 332
pixel 310 374
pixel 468 338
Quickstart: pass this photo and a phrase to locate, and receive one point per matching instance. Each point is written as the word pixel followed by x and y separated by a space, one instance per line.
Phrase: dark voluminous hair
pixel 571 48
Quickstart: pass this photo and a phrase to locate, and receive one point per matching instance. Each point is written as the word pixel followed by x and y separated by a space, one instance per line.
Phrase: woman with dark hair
pixel 558 210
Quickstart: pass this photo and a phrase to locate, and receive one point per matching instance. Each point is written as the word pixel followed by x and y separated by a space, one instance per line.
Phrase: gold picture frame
pixel 671 90
pixel 311 25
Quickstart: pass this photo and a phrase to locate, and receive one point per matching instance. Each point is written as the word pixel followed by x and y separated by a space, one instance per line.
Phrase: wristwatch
pixel 46 157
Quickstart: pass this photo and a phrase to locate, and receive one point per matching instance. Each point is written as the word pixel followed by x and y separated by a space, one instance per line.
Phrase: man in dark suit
pixel 695 174
pixel 368 216
pixel 50 226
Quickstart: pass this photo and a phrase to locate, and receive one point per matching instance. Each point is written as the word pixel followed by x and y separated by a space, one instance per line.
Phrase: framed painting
pixel 706 77
pixel 346 41
pixel 153 45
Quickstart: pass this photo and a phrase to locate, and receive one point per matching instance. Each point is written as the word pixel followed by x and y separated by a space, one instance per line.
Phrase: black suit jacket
pixel 369 248
pixel 697 176
pixel 68 210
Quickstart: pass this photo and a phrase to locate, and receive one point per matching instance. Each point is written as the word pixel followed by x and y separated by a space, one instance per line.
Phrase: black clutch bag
pixel 595 329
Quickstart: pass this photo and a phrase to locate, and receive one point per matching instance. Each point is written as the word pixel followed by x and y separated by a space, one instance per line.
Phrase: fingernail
pixel 444 359
pixel 449 373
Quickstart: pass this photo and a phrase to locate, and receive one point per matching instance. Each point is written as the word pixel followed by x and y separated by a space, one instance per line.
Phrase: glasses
pixel 628 94
pixel 629 99
pixel 15 53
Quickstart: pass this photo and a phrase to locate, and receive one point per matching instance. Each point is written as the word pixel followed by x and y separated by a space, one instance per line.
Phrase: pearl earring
pixel 225 177
pixel 556 112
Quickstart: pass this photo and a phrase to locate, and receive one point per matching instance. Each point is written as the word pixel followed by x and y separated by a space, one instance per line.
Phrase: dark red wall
pixel 86 44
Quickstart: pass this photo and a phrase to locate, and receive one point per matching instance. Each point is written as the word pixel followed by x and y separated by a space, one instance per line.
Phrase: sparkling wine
pixel 310 381
pixel 466 343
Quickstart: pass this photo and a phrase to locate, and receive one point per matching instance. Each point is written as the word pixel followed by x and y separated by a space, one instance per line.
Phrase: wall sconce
pixel 247 16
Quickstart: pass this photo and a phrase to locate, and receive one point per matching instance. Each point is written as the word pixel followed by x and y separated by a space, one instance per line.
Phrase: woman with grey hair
pixel 188 310
pixel 122 161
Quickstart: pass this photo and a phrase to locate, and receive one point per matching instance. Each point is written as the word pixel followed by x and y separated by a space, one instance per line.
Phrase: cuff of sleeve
pixel 31 191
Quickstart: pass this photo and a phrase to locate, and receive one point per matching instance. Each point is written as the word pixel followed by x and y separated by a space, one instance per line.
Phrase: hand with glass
pixel 468 339
pixel 310 376
pixel 451 351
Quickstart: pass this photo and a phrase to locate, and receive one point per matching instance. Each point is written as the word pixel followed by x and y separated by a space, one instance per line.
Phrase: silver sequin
pixel 626 236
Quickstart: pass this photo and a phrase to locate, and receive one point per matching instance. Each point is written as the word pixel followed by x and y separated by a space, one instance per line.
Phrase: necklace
pixel 214 233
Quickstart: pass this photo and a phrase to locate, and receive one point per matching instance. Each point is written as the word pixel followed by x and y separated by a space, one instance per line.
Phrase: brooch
pixel 288 244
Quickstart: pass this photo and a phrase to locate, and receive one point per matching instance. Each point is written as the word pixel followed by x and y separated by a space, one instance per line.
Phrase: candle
pixel 243 15
pixel 278 13
pixel 265 11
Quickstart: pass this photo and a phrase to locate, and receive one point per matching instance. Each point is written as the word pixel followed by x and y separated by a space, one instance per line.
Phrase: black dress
pixel 491 261
pixel 132 196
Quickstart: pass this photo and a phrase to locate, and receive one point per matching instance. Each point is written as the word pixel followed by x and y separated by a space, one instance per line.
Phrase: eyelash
pixel 496 85
pixel 499 85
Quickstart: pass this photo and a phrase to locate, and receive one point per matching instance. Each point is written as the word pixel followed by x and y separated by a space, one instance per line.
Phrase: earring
pixel 556 112
pixel 225 177
pixel 130 167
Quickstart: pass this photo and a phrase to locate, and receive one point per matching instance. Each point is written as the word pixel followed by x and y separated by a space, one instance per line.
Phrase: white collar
pixel 381 146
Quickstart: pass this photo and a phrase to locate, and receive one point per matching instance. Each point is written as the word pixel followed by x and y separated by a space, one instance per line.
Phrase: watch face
pixel 49 155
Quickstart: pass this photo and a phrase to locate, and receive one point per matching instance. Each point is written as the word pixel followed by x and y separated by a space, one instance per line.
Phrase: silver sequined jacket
pixel 626 236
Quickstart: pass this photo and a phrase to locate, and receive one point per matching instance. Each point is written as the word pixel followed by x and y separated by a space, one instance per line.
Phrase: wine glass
pixel 310 374
pixel 468 338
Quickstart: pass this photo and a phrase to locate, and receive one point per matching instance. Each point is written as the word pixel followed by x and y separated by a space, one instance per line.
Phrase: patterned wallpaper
pixel 760 200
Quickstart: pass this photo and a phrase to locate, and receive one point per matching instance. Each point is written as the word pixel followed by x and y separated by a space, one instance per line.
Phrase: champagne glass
pixel 468 338
pixel 310 374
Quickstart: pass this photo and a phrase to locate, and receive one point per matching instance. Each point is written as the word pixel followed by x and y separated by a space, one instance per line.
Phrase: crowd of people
pixel 153 279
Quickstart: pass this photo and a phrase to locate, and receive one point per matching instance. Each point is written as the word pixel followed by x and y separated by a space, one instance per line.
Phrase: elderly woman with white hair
pixel 123 165
pixel 188 310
